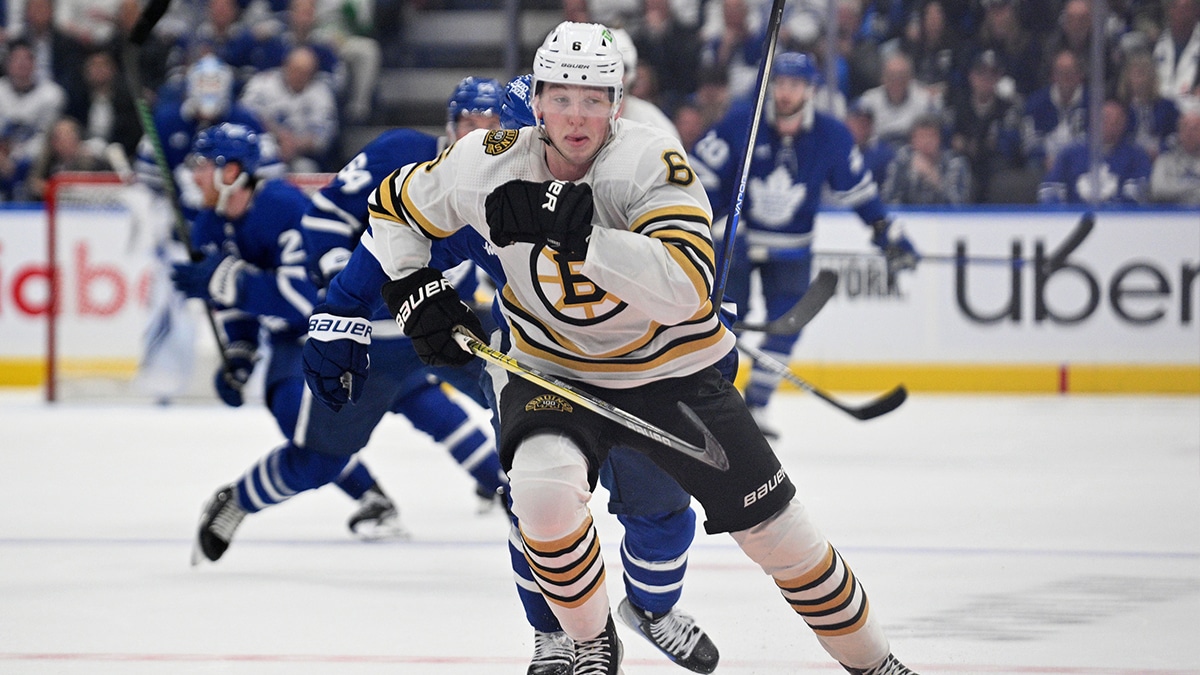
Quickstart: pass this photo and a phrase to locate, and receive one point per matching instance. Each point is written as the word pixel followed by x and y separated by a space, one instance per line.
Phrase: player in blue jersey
pixel 206 100
pixel 656 513
pixel 332 228
pixel 797 154
pixel 254 274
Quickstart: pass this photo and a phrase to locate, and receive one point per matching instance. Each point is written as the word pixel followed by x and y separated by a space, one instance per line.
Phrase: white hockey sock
pixel 817 584
pixel 550 493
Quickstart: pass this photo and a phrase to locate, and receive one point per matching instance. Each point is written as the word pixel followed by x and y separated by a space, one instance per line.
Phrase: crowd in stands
pixel 951 101
pixel 302 68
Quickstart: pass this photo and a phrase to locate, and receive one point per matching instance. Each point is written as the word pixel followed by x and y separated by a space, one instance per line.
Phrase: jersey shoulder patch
pixel 500 140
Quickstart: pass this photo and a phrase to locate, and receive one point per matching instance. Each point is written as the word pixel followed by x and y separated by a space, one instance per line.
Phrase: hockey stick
pixel 880 405
pixel 133 79
pixel 1053 261
pixel 735 209
pixel 819 292
pixel 711 454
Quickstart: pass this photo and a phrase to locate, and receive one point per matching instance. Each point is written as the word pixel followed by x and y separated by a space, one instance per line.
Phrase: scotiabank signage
pixel 103 280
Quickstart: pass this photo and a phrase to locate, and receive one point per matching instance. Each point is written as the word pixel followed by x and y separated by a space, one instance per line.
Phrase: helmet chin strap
pixel 225 191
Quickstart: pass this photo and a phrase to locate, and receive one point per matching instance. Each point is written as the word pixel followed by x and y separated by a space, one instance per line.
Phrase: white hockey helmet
pixel 583 54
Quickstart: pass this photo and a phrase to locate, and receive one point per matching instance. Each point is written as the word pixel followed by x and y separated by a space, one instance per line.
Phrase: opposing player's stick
pixel 1053 261
pixel 819 292
pixel 133 78
pixel 735 209
pixel 880 405
pixel 711 454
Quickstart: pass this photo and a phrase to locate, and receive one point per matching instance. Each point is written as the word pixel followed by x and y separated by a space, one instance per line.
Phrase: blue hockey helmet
pixel 475 96
pixel 516 107
pixel 797 64
pixel 229 142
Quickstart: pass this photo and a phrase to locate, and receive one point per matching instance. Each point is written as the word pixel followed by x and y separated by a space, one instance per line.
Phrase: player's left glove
pixel 335 355
pixel 233 374
pixel 555 213
pixel 889 237
pixel 215 278
pixel 428 308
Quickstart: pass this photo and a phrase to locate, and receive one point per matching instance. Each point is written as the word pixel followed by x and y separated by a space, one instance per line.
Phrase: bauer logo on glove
pixel 422 293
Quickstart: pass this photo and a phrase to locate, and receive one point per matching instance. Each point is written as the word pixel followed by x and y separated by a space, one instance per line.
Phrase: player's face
pixel 577 123
pixel 206 176
pixel 789 94
pixel 468 122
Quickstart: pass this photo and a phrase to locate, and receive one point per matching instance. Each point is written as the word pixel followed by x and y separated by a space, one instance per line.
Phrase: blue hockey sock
pixel 283 473
pixel 654 556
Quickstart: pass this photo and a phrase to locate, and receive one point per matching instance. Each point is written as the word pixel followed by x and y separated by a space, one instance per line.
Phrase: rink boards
pixel 1122 314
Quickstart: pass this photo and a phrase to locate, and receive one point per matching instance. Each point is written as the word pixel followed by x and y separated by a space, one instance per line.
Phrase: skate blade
pixel 383 533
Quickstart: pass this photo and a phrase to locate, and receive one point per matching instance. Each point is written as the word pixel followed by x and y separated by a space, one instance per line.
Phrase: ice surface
pixel 994 535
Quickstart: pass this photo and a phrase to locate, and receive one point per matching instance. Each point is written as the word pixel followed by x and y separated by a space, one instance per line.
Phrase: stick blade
pixel 819 292
pixel 714 455
pixel 882 405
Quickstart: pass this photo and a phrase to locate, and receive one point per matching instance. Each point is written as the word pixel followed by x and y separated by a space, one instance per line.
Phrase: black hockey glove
pixel 555 213
pixel 428 308
pixel 234 372
pixel 889 237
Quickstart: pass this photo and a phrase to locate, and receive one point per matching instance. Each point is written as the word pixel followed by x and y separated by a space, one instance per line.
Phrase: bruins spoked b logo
pixel 573 297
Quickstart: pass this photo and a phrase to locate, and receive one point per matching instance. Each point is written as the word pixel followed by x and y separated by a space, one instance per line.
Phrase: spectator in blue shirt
pixel 1122 176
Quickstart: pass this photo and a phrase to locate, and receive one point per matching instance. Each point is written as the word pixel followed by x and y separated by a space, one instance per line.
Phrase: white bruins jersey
pixel 636 310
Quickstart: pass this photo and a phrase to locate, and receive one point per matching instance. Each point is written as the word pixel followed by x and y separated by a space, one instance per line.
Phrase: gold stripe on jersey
pixel 684 345
pixel 384 206
pixel 571 351
pixel 680 212
pixel 568 570
pixel 691 240
pixel 414 214
pixel 699 279
pixel 828 597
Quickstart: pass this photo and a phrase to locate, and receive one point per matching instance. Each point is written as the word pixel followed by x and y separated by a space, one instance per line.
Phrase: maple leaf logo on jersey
pixel 774 200
pixel 549 403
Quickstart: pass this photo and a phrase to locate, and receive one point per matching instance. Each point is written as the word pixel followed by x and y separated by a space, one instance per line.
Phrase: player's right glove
pixel 428 308
pixel 555 213
pixel 889 237
pixel 335 355
pixel 233 374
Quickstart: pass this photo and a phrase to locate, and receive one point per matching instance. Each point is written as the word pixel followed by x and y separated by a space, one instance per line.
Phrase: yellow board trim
pixel 1077 378
pixel 31 372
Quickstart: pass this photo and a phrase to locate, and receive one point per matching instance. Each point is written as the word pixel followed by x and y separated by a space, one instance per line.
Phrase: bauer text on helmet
pixel 582 54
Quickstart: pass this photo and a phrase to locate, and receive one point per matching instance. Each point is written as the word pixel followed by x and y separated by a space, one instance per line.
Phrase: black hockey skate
pixel 890 666
pixel 601 655
pixel 675 634
pixel 553 654
pixel 376 517
pixel 218 522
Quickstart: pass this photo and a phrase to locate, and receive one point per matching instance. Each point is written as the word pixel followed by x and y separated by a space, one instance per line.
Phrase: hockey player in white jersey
pixel 604 235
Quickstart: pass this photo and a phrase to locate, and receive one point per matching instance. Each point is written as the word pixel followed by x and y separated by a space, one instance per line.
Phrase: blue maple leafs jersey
pixel 787 176
pixel 276 290
pixel 337 219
